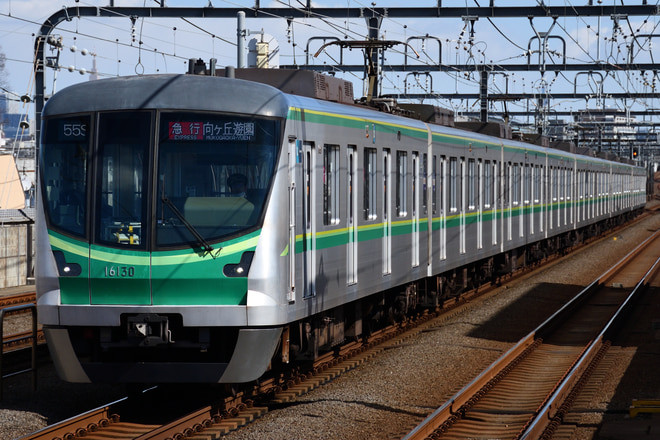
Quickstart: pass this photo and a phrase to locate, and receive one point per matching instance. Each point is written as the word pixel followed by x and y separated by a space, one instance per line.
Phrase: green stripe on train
pixel 125 276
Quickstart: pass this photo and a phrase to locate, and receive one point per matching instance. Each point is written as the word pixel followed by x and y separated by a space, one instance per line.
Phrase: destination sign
pixel 211 131
pixel 72 130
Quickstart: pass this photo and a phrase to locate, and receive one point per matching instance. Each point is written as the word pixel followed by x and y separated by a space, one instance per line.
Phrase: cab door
pixel 119 262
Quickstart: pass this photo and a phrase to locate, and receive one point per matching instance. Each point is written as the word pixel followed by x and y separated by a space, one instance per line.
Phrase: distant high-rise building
pixel 94 74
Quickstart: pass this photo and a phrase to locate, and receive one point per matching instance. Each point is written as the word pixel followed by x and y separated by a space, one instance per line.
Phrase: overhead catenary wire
pixel 350 28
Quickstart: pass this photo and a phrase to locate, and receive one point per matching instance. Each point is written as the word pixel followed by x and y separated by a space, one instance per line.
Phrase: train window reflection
pixel 214 172
pixel 121 202
pixel 64 168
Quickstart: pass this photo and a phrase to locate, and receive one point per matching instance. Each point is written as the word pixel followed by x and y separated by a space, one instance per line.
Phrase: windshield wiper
pixel 206 246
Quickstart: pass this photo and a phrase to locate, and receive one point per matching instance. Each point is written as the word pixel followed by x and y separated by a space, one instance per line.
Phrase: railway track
pixel 13 305
pixel 524 394
pixel 22 341
pixel 17 300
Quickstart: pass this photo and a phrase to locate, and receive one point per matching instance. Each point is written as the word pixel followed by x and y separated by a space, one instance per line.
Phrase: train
pixel 208 227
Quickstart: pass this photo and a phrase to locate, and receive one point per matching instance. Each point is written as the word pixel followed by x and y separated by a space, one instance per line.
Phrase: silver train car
pixel 196 228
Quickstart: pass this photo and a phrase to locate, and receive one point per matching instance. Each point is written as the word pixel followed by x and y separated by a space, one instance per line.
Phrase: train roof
pixel 176 91
pixel 331 110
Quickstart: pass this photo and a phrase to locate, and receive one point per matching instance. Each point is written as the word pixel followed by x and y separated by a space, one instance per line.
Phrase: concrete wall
pixel 16 253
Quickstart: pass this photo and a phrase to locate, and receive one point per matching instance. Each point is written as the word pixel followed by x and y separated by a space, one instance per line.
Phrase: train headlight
pixel 65 268
pixel 241 269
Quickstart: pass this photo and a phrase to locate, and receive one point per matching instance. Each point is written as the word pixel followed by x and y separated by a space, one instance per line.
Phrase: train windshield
pixel 214 172
pixel 122 164
pixel 212 176
pixel 64 172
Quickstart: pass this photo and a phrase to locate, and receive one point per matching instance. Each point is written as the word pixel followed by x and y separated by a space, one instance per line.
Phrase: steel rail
pixel 455 407
pixel 70 428
pixel 34 335
pixel 16 300
pixel 547 417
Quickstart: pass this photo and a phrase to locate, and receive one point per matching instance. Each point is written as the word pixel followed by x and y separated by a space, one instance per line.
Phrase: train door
pixel 293 154
pixel 495 200
pixel 442 236
pixel 308 220
pixel 559 197
pixel 387 213
pixel 455 196
pixel 415 209
pixel 592 194
pixel 538 196
pixel 507 199
pixel 462 206
pixel 429 202
pixel 528 200
pixel 351 222
pixel 609 190
pixel 569 195
pixel 565 191
pixel 518 197
pixel 552 173
pixel 545 198
pixel 122 276
pixel 579 196
pixel 480 204
pixel 489 199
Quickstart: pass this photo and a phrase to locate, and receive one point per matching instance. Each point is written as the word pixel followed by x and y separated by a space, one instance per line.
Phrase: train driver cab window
pixel 214 172
pixel 64 158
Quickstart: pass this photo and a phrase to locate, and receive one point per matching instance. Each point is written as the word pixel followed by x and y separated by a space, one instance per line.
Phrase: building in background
pixel 17 140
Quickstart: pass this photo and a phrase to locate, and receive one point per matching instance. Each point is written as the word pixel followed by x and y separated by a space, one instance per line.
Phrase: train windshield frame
pixel 213 173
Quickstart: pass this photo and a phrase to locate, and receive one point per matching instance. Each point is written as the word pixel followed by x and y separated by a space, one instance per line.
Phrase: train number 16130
pixel 119 271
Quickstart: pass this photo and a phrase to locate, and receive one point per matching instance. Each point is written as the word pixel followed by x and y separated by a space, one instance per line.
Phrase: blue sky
pixel 168 44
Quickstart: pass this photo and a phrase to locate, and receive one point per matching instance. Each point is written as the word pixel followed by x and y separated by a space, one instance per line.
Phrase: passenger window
pixel 370 184
pixel 434 177
pixel 453 184
pixel 472 184
pixel 488 184
pixel 401 183
pixel 516 184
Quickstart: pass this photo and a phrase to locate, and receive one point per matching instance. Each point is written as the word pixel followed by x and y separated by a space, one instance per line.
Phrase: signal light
pixel 635 152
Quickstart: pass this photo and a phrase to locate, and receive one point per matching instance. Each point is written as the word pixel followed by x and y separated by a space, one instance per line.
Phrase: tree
pixel 3 75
